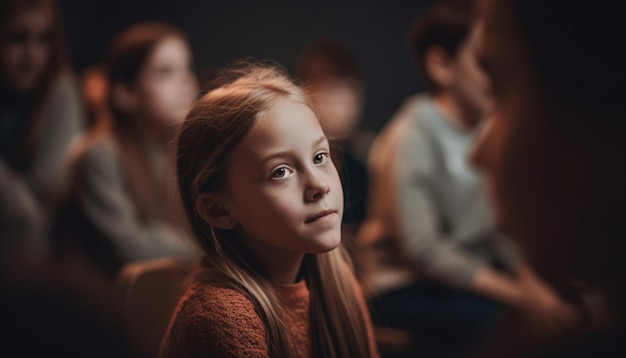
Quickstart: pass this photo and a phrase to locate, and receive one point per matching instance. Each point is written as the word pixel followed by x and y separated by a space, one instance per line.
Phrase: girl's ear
pixel 211 209
pixel 438 65
pixel 123 98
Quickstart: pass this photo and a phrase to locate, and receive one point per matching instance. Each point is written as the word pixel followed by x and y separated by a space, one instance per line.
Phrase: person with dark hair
pixel 454 270
pixel 118 203
pixel 95 89
pixel 40 110
pixel 331 74
pixel 553 153
pixel 39 115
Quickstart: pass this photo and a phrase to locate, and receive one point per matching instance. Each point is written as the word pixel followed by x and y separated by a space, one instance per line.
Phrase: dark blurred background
pixel 220 32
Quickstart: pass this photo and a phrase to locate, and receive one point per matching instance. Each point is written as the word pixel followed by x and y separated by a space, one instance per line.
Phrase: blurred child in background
pixel 118 202
pixel 452 271
pixel 40 113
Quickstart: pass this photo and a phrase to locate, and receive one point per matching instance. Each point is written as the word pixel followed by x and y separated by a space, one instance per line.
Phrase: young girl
pixel 265 204
pixel 115 207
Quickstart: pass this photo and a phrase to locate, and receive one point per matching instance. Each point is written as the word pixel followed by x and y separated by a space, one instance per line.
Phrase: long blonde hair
pixel 211 130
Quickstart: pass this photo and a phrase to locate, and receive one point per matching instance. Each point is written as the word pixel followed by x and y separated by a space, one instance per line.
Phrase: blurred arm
pixel 102 196
pixel 419 216
pixel 62 120
pixel 21 223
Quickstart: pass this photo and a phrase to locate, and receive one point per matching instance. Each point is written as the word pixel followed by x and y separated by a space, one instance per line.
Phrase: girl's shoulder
pixel 215 321
pixel 209 299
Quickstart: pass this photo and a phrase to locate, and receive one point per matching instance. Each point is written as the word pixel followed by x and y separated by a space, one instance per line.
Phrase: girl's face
pixel 166 87
pixel 283 189
pixel 26 48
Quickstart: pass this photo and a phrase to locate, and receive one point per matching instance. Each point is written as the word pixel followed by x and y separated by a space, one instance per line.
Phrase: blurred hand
pixel 541 307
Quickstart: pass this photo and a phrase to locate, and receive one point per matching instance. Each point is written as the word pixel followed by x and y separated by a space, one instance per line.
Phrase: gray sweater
pixel 60 120
pixel 99 218
pixel 435 202
pixel 63 120
pixel 22 241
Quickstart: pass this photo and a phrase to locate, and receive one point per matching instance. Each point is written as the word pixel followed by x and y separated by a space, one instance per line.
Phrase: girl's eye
pixel 320 158
pixel 281 173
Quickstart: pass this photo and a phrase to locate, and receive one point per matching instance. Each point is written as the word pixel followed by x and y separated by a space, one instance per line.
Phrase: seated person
pixel 118 203
pixel 429 208
pixel 40 107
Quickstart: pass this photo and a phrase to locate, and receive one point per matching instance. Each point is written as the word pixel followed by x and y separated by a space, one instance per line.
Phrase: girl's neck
pixel 282 266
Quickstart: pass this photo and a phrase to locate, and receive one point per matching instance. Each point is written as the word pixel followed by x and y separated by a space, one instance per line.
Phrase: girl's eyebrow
pixel 289 153
pixel 281 154
pixel 319 141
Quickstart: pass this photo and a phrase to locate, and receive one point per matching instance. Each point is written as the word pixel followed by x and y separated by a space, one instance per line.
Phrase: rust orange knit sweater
pixel 211 321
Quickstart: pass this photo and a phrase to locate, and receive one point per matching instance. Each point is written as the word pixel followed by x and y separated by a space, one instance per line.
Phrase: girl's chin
pixel 328 244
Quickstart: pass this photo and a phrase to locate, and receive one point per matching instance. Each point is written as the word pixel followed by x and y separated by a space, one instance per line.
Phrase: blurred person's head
pixel 32 47
pixel 553 148
pixel 151 87
pixel 95 89
pixel 33 54
pixel 332 75
pixel 441 42
pixel 151 82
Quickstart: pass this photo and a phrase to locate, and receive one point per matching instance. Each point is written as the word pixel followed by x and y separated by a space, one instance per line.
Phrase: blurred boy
pixel 431 204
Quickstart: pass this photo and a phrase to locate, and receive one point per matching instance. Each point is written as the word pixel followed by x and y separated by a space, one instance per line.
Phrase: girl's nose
pixel 317 187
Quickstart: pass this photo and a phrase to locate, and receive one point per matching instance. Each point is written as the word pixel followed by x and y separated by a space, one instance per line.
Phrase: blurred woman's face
pixel 166 88
pixel 340 102
pixel 541 163
pixel 26 48
pixel 469 85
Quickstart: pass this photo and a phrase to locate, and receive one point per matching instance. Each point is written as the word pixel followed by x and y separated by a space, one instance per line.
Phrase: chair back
pixel 149 291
